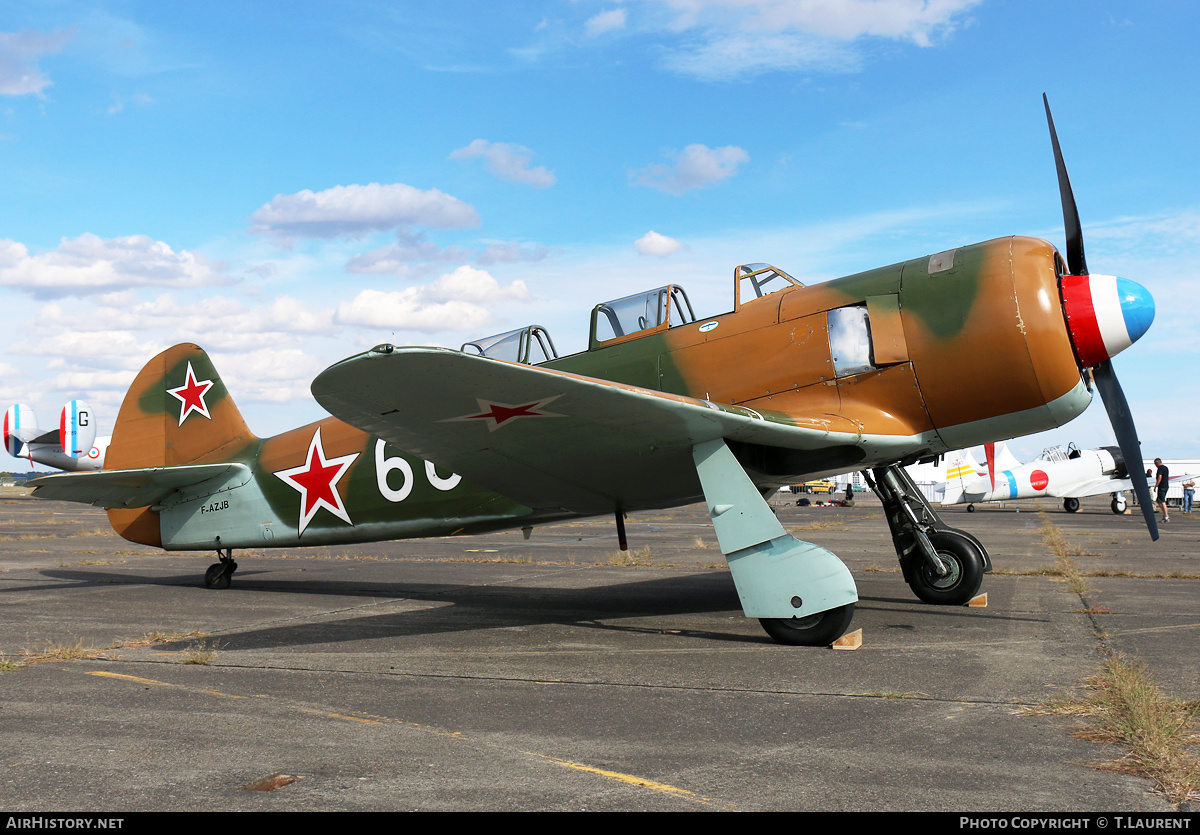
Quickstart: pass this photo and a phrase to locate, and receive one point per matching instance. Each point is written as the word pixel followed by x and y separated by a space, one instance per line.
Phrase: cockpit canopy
pixel 530 345
pixel 645 313
pixel 753 281
pixel 654 310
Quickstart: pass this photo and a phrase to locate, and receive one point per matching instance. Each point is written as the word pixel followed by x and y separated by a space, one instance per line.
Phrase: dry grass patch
pixel 200 653
pixel 55 651
pixel 1064 553
pixel 828 525
pixel 1125 707
pixel 639 557
pixel 159 637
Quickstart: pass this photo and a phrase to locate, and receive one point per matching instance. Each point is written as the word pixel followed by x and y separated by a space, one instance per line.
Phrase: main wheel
pixel 818 630
pixel 970 508
pixel 216 577
pixel 1118 504
pixel 1071 505
pixel 964 578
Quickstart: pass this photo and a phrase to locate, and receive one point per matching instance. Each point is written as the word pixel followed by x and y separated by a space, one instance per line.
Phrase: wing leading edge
pixel 548 439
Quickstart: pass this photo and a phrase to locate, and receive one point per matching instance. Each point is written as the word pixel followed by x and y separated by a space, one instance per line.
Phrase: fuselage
pixel 1091 472
pixel 895 364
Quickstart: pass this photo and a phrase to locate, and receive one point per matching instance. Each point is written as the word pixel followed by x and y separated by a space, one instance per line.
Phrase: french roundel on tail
pixel 20 426
pixel 76 428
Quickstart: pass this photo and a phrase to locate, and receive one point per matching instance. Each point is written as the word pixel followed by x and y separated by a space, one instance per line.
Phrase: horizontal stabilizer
pixel 132 488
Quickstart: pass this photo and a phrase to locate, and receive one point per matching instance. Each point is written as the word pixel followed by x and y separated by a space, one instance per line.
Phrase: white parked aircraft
pixel 72 446
pixel 1069 474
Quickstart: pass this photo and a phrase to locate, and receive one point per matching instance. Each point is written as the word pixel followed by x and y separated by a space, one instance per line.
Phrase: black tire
pixel 819 630
pixel 216 577
pixel 964 579
pixel 1118 506
pixel 970 508
pixel 1071 505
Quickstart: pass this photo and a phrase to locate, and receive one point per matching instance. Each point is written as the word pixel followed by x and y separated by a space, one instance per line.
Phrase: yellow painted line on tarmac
pixel 342 716
pixel 629 779
pixel 624 778
pixel 132 678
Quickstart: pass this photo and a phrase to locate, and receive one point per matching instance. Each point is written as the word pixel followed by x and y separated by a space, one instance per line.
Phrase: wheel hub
pixel 948 580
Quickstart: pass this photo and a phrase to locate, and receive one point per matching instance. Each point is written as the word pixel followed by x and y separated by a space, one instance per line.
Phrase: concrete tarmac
pixel 495 673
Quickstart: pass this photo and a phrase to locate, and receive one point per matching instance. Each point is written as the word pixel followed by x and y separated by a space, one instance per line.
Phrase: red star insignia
pixel 316 480
pixel 191 395
pixel 497 414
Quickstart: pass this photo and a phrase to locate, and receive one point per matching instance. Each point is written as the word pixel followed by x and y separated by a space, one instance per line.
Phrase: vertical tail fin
pixel 20 426
pixel 177 412
pixel 961 470
pixel 76 429
pixel 961 465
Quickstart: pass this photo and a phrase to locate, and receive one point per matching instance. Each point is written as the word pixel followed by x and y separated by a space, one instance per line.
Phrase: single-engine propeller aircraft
pixel 73 446
pixel 869 372
pixel 1069 474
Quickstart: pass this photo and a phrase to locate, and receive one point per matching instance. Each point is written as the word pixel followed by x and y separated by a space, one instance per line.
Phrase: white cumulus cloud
pixel 507 161
pixel 455 301
pixel 696 167
pixel 19 53
pixel 356 210
pixel 219 322
pixel 503 252
pixel 397 258
pixel 653 243
pixel 605 22
pixel 721 39
pixel 91 264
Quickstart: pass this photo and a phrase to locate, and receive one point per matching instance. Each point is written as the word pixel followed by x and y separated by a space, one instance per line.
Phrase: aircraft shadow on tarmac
pixel 468 607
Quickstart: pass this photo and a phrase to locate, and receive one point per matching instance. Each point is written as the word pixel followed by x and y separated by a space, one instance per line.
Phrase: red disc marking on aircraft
pixel 1038 480
pixel 316 481
pixel 191 395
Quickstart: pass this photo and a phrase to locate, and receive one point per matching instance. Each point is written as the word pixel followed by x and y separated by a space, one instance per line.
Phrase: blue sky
pixel 289 183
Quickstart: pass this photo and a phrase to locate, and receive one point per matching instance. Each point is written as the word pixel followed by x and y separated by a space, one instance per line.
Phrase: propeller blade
pixel 1131 448
pixel 1076 263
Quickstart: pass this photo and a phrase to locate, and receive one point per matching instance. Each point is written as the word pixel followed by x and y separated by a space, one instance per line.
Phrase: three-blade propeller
pixel 1098 357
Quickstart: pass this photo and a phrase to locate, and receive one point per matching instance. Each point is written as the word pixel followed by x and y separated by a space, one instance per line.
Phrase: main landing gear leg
pixel 801 593
pixel 220 574
pixel 941 564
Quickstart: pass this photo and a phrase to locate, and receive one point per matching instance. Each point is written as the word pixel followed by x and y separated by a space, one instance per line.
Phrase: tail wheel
pixel 960 583
pixel 216 577
pixel 819 630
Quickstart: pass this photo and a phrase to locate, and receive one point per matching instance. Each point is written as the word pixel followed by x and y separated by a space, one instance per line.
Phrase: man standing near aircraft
pixel 1162 482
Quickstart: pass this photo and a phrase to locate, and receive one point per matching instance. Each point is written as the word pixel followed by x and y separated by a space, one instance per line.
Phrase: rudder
pixel 177 411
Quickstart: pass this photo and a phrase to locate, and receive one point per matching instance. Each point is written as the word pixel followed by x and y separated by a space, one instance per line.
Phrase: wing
pixel 1095 488
pixel 1115 485
pixel 132 488
pixel 547 438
